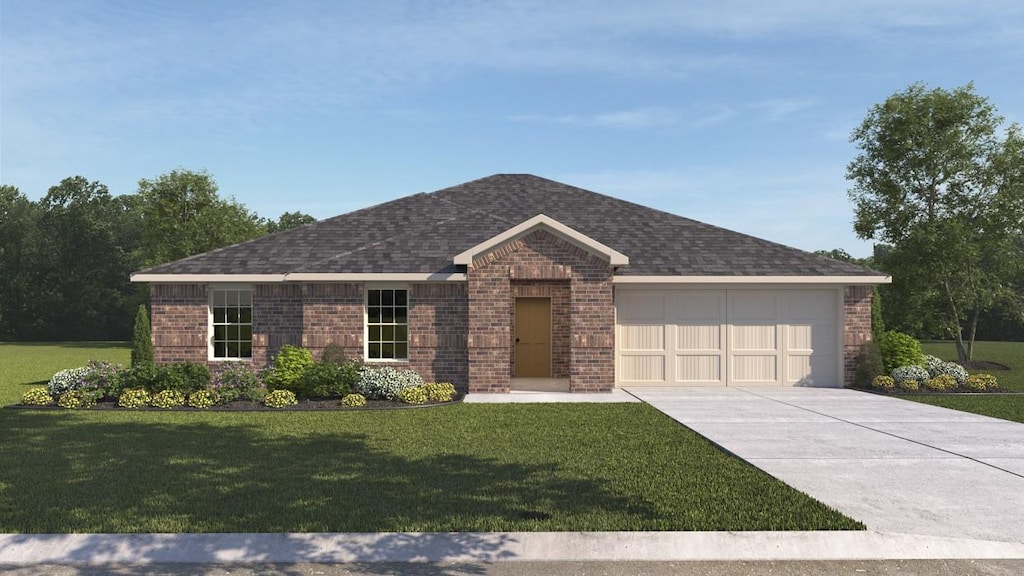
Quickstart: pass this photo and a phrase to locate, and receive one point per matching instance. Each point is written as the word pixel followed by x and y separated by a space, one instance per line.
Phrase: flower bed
pixel 294 382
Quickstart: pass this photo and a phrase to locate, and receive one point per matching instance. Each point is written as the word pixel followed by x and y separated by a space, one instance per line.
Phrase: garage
pixel 728 337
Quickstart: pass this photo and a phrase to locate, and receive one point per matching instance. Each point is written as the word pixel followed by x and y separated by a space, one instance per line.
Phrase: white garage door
pixel 727 337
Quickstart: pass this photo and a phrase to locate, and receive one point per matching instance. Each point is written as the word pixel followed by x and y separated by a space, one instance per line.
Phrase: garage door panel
pixel 753 338
pixel 698 338
pixel 699 369
pixel 642 337
pixel 695 308
pixel 819 337
pixel 641 308
pixel 751 307
pixel 643 368
pixel 753 369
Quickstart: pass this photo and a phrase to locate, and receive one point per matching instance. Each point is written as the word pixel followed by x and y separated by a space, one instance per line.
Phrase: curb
pixel 22 549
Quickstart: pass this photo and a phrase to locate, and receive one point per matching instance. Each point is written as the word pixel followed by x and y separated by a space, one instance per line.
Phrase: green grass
pixel 454 468
pixel 998 406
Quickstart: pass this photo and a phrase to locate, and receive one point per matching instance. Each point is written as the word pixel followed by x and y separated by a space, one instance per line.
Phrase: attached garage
pixel 686 336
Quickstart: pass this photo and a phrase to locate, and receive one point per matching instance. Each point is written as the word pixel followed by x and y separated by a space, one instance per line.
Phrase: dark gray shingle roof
pixel 423 233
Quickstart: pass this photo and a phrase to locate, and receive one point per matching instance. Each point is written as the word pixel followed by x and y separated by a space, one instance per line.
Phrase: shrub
pixel 951 369
pixel 883 382
pixel 877 321
pixel 280 398
pixel 385 383
pixel 239 381
pixel 354 400
pixel 440 391
pixel 75 399
pixel 140 376
pixel 981 382
pixel 416 395
pixel 333 354
pixel 941 383
pixel 910 385
pixel 899 349
pixel 203 399
pixel 134 398
pixel 104 377
pixel 289 364
pixel 167 399
pixel 319 380
pixel 909 373
pixel 869 365
pixel 37 397
pixel 142 343
pixel 931 364
pixel 183 377
pixel 64 380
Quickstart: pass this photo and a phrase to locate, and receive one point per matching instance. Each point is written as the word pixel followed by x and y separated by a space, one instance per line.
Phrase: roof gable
pixel 542 222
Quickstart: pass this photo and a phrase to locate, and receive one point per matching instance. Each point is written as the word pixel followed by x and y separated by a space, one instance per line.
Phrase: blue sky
pixel 732 112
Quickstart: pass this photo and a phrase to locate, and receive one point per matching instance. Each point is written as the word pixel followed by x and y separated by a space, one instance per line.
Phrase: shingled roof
pixel 422 233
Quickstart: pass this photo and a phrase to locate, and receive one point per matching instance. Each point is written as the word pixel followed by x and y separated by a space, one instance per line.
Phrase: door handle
pixel 517 340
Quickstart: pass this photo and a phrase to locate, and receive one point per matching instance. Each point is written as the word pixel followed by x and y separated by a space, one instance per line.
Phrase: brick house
pixel 512 278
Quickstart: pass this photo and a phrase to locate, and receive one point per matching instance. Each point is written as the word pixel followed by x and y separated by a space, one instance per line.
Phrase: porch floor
pixel 540 385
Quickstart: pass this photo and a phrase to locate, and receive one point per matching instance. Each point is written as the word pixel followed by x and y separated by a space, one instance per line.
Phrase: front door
pixel 533 338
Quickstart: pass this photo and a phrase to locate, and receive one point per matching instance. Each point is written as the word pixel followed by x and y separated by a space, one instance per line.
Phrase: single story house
pixel 513 277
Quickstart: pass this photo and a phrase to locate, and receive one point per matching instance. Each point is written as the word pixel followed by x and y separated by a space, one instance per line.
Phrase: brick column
pixel 856 327
pixel 488 342
pixel 592 367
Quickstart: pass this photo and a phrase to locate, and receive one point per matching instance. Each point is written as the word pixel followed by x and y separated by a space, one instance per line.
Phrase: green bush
pixel 239 381
pixel 167 399
pixel 883 382
pixel 203 399
pixel 981 382
pixel 877 321
pixel 869 365
pixel 899 349
pixel 142 343
pixel 385 382
pixel 140 376
pixel 183 377
pixel 105 378
pixel 354 400
pixel 320 380
pixel 280 398
pixel 941 383
pixel 289 364
pixel 440 391
pixel 134 398
pixel 37 397
pixel 413 395
pixel 75 399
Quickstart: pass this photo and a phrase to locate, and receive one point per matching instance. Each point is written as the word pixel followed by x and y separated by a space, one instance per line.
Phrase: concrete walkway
pixel 898 466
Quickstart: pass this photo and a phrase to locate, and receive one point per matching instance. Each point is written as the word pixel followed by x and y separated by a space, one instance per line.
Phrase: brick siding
pixel 179 322
pixel 438 324
pixel 856 327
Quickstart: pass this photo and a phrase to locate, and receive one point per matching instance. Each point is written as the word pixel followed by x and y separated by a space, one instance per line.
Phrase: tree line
pixel 66 259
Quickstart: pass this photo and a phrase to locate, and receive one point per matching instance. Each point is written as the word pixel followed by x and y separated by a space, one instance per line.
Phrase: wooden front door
pixel 533 338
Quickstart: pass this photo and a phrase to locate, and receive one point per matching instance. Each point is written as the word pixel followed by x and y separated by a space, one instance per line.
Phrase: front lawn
pixel 1009 354
pixel 451 468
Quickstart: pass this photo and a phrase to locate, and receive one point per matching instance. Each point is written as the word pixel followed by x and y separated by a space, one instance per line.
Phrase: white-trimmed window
pixel 231 322
pixel 387 324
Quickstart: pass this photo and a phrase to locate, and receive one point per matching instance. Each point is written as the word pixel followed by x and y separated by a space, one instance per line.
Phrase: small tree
pixel 142 343
pixel 877 322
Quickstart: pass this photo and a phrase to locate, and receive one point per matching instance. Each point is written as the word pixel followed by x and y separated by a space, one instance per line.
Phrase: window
pixel 387 324
pixel 232 322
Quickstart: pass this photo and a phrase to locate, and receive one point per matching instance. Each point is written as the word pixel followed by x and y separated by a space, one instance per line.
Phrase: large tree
pixel 289 220
pixel 936 181
pixel 19 225
pixel 183 216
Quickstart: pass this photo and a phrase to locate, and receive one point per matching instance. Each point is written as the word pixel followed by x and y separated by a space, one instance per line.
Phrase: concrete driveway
pixel 896 465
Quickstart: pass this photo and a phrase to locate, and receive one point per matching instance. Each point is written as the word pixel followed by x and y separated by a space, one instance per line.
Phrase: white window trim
pixel 366 320
pixel 209 320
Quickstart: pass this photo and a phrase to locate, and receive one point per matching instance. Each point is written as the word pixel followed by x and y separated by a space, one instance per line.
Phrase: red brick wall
pixel 333 312
pixel 541 256
pixel 276 320
pixel 856 327
pixel 438 324
pixel 179 322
